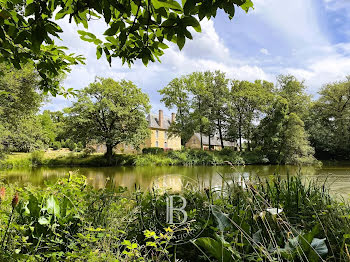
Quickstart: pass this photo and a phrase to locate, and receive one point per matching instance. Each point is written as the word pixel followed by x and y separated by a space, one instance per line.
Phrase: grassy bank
pixel 273 220
pixel 172 158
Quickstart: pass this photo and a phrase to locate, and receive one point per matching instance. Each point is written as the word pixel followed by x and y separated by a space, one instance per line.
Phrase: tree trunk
pixel 200 124
pixel 183 142
pixel 249 146
pixel 240 133
pixel 201 140
pixel 220 134
pixel 209 138
pixel 109 153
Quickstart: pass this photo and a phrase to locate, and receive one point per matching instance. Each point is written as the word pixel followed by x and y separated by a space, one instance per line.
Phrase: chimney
pixel 160 119
pixel 173 117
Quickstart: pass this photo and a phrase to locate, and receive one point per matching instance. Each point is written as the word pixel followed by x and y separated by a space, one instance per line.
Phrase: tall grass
pixel 16 160
pixel 271 220
pixel 185 157
pixel 249 220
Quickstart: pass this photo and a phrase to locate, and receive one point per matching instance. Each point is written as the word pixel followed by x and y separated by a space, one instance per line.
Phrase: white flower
pixel 274 211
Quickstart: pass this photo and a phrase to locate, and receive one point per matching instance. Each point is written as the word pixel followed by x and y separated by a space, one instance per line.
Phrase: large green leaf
pixel 247 5
pixel 43 221
pixel 220 218
pixel 34 205
pixel 319 246
pixel 180 40
pixel 215 248
pixel 52 206
pixel 172 4
pixel 190 21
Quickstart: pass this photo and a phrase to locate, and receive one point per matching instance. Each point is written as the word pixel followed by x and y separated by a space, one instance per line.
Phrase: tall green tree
pixel 282 137
pixel 49 128
pixel 248 102
pixel 199 94
pixel 110 112
pixel 136 29
pixel 217 99
pixel 61 126
pixel 19 93
pixel 271 129
pixel 293 91
pixel 176 95
pixel 296 147
pixel 3 134
pixel 20 100
pixel 329 123
pixel 200 99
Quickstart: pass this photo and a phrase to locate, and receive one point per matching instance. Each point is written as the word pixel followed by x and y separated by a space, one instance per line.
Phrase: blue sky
pixel 307 38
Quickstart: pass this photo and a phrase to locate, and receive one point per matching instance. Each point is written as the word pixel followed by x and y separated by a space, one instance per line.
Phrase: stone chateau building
pixel 159 125
pixel 213 144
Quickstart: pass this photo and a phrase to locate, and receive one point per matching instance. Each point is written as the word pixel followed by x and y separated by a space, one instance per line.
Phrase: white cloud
pixel 291 34
pixel 207 44
pixel 322 71
pixel 334 5
pixel 309 51
pixel 206 51
pixel 264 51
pixel 295 20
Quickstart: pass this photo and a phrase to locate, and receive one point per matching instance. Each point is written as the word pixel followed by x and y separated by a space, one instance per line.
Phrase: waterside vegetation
pixel 186 157
pixel 272 220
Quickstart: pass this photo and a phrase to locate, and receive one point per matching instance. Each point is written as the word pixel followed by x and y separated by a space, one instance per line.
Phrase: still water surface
pixel 336 174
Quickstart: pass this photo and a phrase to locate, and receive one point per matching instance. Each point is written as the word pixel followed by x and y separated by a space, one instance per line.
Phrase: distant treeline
pixel 280 121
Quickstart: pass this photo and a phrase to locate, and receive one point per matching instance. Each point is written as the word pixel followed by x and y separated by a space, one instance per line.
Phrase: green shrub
pixel 56 145
pixel 37 158
pixel 181 157
pixel 80 146
pixel 88 150
pixel 255 157
pixel 15 161
pixel 227 151
pixel 152 150
pixel 70 144
pixel 153 160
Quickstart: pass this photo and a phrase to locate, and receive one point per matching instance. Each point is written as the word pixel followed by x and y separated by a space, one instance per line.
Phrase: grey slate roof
pixel 214 140
pixel 153 122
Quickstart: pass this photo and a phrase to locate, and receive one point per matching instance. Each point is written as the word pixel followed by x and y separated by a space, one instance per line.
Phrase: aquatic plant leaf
pixel 257 237
pixel 34 205
pixel 52 206
pixel 319 245
pixel 221 218
pixel 43 221
pixel 215 248
pixel 294 241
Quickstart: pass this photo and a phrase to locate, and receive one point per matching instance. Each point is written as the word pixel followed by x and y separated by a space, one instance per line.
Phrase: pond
pixel 337 175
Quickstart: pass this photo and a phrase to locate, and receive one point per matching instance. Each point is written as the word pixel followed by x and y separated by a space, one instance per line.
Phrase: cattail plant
pixel 14 204
pixel 2 194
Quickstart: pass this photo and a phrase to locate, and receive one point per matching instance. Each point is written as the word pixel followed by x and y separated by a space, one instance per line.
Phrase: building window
pixel 165 144
pixel 156 143
pixel 157 134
